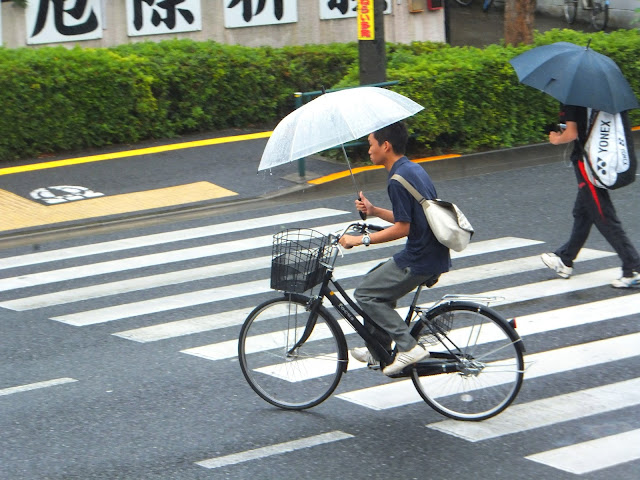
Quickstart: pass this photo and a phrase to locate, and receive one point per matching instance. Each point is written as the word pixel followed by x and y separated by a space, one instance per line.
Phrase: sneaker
pixel 362 354
pixel 553 261
pixel 404 359
pixel 627 282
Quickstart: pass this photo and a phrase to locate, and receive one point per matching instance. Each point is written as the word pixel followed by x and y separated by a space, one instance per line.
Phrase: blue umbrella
pixel 576 75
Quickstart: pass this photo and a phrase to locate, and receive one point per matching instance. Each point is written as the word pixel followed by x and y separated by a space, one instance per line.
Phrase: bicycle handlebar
pixel 360 227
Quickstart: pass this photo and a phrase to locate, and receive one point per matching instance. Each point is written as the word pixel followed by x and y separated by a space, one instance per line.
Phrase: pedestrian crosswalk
pixel 182 283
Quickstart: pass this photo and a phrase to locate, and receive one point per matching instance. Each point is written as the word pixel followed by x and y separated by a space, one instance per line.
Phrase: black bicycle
pixel 293 351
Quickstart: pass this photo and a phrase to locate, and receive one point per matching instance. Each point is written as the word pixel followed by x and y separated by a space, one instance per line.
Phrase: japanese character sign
pixel 53 21
pixel 154 17
pixel 332 9
pixel 251 13
pixel 366 28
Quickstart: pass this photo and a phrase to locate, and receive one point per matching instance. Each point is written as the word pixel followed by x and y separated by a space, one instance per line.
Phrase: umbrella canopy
pixel 576 75
pixel 333 119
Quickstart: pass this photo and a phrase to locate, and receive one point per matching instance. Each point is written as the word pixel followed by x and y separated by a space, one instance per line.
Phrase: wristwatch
pixel 366 240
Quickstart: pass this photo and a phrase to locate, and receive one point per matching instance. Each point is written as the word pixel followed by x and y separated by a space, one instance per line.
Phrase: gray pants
pixel 378 294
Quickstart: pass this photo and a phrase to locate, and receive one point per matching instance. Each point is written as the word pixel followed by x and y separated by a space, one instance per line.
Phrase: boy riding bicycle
pixel 422 260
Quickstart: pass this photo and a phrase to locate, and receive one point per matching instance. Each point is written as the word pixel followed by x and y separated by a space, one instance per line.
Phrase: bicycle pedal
pixel 373 367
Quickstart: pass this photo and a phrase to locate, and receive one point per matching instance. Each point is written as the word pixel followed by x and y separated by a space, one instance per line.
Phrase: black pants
pixel 594 207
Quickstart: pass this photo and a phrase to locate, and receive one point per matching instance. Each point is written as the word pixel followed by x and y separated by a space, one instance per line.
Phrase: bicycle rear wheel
pixel 600 15
pixel 293 379
pixel 570 10
pixel 481 355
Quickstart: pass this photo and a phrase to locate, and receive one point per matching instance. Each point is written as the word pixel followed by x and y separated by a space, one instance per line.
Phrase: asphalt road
pixel 136 398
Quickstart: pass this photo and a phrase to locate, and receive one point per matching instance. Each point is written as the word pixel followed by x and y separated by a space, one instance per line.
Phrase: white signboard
pixel 251 13
pixel 154 17
pixel 54 21
pixel 0 24
pixel 332 9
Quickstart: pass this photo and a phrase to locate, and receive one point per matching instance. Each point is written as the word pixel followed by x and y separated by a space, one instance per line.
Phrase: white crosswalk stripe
pixel 98 291
pixel 551 362
pixel 176 301
pixel 597 454
pixel 168 237
pixel 548 411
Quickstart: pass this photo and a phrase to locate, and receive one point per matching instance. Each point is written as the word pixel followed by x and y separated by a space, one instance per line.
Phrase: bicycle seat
pixel 431 281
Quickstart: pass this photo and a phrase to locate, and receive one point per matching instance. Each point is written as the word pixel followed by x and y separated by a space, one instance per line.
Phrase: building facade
pixel 104 23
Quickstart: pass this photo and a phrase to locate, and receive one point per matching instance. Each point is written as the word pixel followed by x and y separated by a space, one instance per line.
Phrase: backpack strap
pixel 591 120
pixel 409 188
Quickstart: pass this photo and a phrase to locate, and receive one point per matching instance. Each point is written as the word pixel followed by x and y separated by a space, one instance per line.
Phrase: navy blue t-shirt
pixel 422 252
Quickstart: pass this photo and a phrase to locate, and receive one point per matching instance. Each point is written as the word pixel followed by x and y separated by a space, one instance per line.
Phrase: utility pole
pixel 371 45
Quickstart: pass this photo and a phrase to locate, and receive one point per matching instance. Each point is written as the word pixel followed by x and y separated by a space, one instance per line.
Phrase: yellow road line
pixel 346 173
pixel 17 212
pixel 133 153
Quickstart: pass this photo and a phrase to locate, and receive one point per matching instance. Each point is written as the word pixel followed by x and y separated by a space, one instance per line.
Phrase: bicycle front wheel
pixel 290 377
pixel 570 10
pixel 481 355
pixel 600 15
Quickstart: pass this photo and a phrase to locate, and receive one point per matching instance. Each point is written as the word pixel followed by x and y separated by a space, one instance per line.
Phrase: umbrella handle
pixel 363 215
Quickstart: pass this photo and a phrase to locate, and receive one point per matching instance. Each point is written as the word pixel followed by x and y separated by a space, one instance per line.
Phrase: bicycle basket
pixel 441 324
pixel 296 261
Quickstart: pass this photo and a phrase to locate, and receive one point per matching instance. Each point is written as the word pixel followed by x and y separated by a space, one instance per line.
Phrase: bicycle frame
pixel 346 313
pixel 440 362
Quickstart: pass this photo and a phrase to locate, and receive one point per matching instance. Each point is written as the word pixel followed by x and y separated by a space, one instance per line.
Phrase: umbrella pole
pixel 363 215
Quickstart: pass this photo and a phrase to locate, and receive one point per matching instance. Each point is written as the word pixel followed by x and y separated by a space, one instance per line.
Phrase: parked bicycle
pixel 293 351
pixel 599 11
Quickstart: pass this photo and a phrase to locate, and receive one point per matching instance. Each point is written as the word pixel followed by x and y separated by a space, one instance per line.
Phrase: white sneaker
pixel 362 354
pixel 627 282
pixel 554 262
pixel 404 359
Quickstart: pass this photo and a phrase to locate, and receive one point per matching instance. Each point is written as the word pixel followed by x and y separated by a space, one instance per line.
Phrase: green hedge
pixel 55 99
pixel 473 99
pixel 58 99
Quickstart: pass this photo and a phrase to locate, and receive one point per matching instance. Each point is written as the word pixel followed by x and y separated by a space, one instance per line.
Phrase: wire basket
pixel 296 263
pixel 441 324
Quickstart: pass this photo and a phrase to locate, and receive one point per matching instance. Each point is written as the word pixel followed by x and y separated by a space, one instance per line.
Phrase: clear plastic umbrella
pixel 333 119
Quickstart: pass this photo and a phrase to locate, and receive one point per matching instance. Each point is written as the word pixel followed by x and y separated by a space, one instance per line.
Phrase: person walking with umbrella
pixel 593 206
pixel 581 78
pixel 421 261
